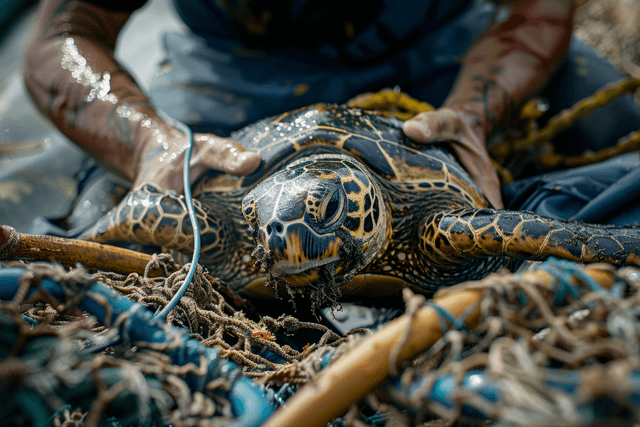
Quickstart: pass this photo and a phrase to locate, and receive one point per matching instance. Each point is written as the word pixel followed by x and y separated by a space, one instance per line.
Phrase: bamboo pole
pixel 337 388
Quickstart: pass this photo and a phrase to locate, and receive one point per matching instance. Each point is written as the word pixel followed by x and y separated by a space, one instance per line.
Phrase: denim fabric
pixel 583 73
pixel 214 84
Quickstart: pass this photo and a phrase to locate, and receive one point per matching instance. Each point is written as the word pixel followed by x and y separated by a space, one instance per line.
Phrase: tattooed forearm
pixel 494 97
pixel 74 79
pixel 512 61
pixel 492 101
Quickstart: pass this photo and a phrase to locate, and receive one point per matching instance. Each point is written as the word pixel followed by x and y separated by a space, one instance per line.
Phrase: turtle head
pixel 320 216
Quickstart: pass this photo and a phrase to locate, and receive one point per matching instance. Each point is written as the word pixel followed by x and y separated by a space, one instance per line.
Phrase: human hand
pixel 464 130
pixel 162 159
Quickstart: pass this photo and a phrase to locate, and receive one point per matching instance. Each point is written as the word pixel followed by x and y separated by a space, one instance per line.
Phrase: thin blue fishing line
pixel 29 320
pixel 192 217
pixel 588 280
pixel 558 270
pixel 574 270
pixel 444 315
pixel 564 271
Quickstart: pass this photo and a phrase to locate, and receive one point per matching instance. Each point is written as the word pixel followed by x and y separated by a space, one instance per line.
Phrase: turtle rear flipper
pixel 454 236
pixel 149 215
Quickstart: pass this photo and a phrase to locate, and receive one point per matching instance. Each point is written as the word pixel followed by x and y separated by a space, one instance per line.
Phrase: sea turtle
pixel 344 203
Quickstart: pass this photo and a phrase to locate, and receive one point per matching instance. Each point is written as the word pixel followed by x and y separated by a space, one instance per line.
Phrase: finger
pixel 224 155
pixel 424 127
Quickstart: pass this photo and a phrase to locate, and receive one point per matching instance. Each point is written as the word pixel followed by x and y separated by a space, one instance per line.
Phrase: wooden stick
pixel 91 255
pixel 69 252
pixel 334 390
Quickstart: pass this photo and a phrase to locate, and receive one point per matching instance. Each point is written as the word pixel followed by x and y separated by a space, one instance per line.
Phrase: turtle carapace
pixel 344 203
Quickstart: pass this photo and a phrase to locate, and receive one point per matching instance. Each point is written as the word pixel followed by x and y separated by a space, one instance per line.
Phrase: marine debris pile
pixel 557 344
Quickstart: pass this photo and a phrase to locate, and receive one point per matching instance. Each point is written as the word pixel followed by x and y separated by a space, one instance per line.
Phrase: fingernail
pixel 426 129
pixel 421 127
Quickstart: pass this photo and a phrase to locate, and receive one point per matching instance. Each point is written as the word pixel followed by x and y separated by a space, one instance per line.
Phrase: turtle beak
pixel 297 252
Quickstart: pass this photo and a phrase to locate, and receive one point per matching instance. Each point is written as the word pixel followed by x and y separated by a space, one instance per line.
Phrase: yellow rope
pixel 397 104
pixel 565 119
pixel 624 145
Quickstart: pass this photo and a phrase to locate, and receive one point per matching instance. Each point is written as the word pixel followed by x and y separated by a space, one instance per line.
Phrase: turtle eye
pixel 325 206
pixel 332 208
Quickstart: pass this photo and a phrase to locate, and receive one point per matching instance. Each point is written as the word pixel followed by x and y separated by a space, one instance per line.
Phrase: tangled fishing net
pixel 51 349
pixel 50 376
pixel 552 346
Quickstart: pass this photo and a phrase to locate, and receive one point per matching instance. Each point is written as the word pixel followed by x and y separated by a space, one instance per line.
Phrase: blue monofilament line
pixel 192 217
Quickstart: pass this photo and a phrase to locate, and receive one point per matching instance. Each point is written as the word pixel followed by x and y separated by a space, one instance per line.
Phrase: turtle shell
pixel 374 139
pixel 414 180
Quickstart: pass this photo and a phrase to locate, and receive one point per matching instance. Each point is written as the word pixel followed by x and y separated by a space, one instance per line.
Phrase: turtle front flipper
pixel 455 236
pixel 149 215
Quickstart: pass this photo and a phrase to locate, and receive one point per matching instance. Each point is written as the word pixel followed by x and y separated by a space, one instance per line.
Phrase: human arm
pixel 502 69
pixel 72 76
